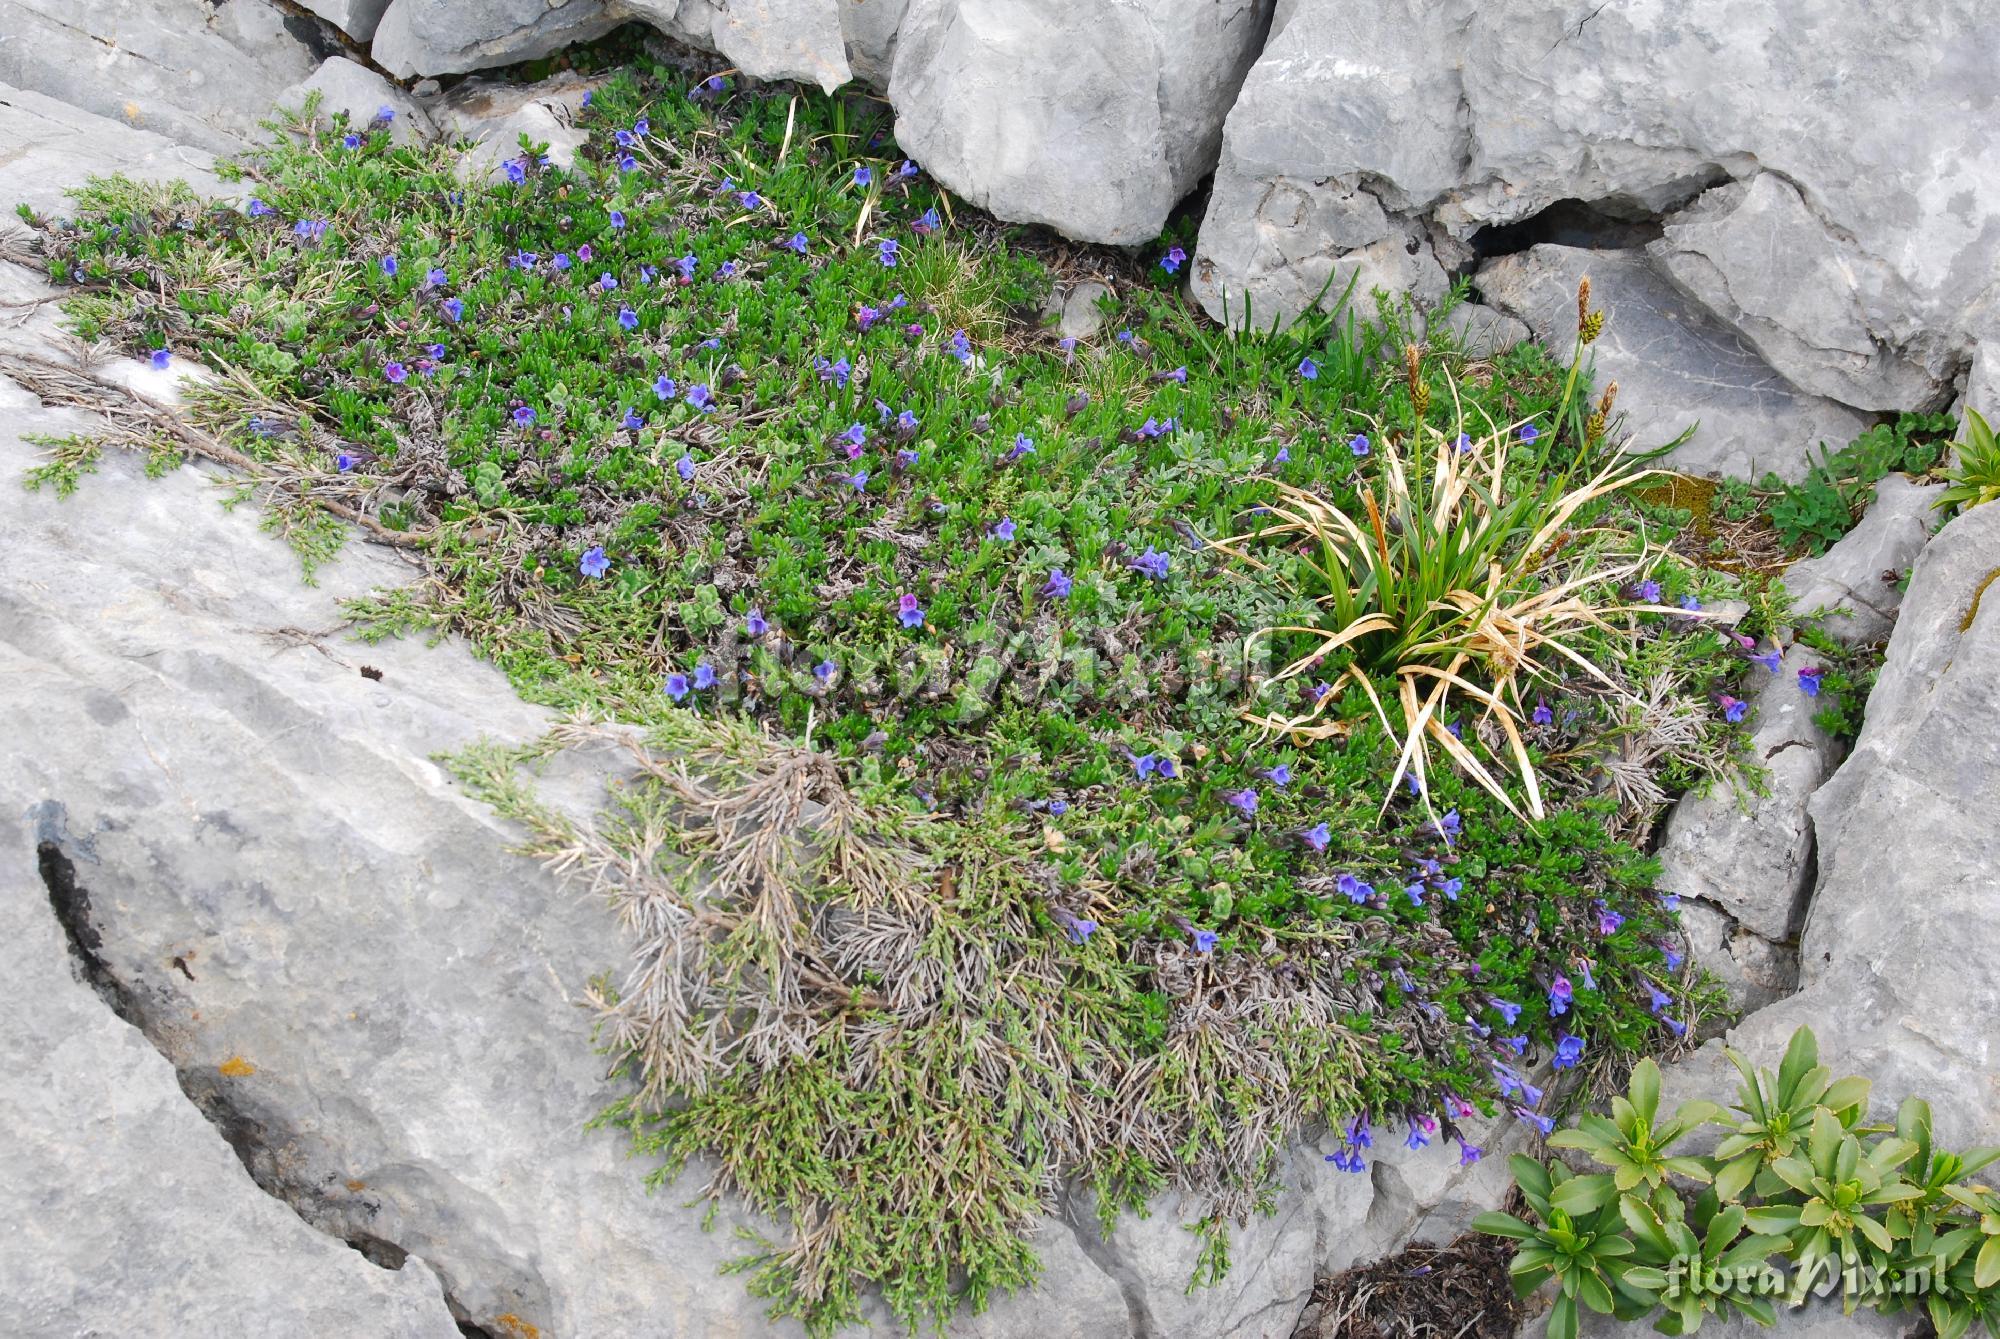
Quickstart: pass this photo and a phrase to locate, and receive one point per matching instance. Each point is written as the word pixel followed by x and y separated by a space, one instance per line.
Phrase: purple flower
pixel 858 480
pixel 796 242
pixel 863 176
pixel 1058 808
pixel 825 670
pixel 1003 529
pixel 1318 836
pixel 906 169
pixel 1518 1045
pixel 628 318
pixel 1660 999
pixel 664 388
pixel 1649 591
pixel 310 229
pixel 393 370
pixel 1449 826
pixel 1283 457
pixel 632 420
pixel 524 417
pixel 909 611
pixel 754 624
pixel 749 199
pixel 1468 1153
pixel 960 347
pixel 162 357
pixel 1279 776
pixel 454 310
pixel 617 219
pixel 1245 800
pixel 1542 714
pixel 1464 443
pixel 677 685
pixel 1560 995
pixel 704 676
pixel 1358 444
pixel 1145 765
pixel 1024 445
pixel 1058 585
pixel 1416 1138
pixel 1308 369
pixel 927 223
pixel 344 462
pixel 1569 1050
pixel 1507 1009
pixel 627 163
pixel 561 261
pixel 1809 679
pixel 1172 261
pixel 1769 660
pixel 606 282
pixel 685 467
pixel 701 399
pixel 351 141
pixel 905 458
pixel 1732 708
pixel 594 564
pixel 1675 1026
pixel 1204 941
pixel 1080 929
pixel 837 371
pixel 1529 432
pixel 258 209
pixel 1545 1124
pixel 1416 892
pixel 1152 562
pixel 906 424
pixel 1451 888
pixel 1608 920
pixel 687 265
pixel 1354 889
pixel 1179 374
pixel 1691 604
pixel 389 266
pixel 856 437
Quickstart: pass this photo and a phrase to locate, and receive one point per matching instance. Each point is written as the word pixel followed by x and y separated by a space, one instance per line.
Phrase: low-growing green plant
pixel 1800 1184
pixel 1815 512
pixel 1976 476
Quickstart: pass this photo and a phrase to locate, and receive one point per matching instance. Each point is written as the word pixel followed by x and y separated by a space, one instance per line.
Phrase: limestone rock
pixel 1673 363
pixel 1751 855
pixel 1094 118
pixel 1482 331
pixel 765 39
pixel 344 86
pixel 870 27
pixel 356 18
pixel 1080 317
pixel 47 146
pixel 495 115
pixel 452 36
pixel 1755 255
pixel 196 72
pixel 1857 584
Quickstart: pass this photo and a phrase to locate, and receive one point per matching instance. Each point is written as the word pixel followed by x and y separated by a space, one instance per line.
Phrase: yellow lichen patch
pixel 236 1067
pixel 520 1329
pixel 357 1186
pixel 1690 494
pixel 1972 610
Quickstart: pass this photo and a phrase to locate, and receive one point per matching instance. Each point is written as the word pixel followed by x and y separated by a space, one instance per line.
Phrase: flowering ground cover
pixel 743 432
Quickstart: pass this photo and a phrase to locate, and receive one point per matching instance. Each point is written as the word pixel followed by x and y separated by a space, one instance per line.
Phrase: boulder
pixel 1856 586
pixel 1093 118
pixel 1848 231
pixel 870 27
pixel 494 116
pixel 345 86
pixel 1675 365
pixel 48 147
pixel 356 18
pixel 765 39
pixel 453 36
pixel 196 72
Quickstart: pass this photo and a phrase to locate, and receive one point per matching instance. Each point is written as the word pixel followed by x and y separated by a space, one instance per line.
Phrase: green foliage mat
pixel 743 431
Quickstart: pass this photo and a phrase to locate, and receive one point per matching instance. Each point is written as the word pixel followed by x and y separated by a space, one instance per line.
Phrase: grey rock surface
pixel 765 39
pixel 1860 267
pixel 1094 118
pixel 870 27
pixel 356 18
pixel 495 115
pixel 199 73
pixel 1857 584
pixel 48 147
pixel 453 36
pixel 1673 362
pixel 1080 317
pixel 346 86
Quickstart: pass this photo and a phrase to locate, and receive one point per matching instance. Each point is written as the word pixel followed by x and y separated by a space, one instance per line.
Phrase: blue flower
pixel 1204 941
pixel 1542 715
pixel 628 318
pixel 1416 892
pixel 561 261
pixel 687 265
pixel 351 141
pixel 344 462
pixel 796 242
pixel 1152 562
pixel 1608 920
pixel 392 369
pixel 825 670
pixel 1560 995
pixel 627 163
pixel 704 676
pixel 749 199
pixel 1172 261
pixel 1003 529
pixel 1507 1009
pixel 162 357
pixel 1529 432
pixel 754 623
pixel 1319 836
pixel 617 219
pixel 1659 998
pixel 701 399
pixel 1279 776
pixel 1308 369
pixel 685 467
pixel 1245 800
pixel 1355 890
pixel 1569 1050
pixel 906 169
pixel 1691 604
pixel 632 420
pixel 1469 1153
pixel 1545 1124
pixel 258 209
pixel 1733 709
pixel 1080 929
pixel 1024 445
pixel 665 388
pixel 1649 591
pixel 1058 585
pixel 594 564
pixel 1358 444
pixel 524 417
pixel 1518 1045
pixel 454 310
pixel 1416 1138
pixel 928 222
pixel 677 685
pixel 960 347
pixel 310 229
pixel 1464 444
pixel 389 266
pixel 885 253
pixel 909 611
pixel 863 176
pixel 858 480
pixel 1809 679
pixel 1146 765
